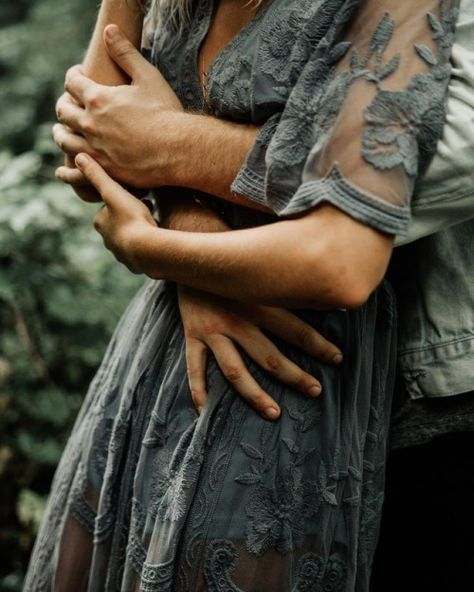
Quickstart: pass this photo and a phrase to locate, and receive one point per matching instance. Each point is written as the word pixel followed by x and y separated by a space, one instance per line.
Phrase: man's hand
pixel 218 325
pixel 79 184
pixel 129 129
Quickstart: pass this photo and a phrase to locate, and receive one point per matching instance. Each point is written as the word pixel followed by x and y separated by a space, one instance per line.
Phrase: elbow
pixel 353 294
pixel 346 285
pixel 351 261
pixel 350 294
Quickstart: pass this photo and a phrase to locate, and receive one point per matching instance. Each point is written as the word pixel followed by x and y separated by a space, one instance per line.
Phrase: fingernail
pixel 337 359
pixel 314 391
pixel 199 410
pixel 81 160
pixel 272 413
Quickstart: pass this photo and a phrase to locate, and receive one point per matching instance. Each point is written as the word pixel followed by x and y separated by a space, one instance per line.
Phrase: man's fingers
pixel 69 142
pixel 112 193
pixel 269 357
pixel 71 176
pixel 232 366
pixel 79 183
pixel 196 360
pixel 79 86
pixel 124 53
pixel 293 330
pixel 70 114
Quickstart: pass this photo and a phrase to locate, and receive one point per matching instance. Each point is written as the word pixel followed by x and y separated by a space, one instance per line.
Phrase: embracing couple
pixel 299 152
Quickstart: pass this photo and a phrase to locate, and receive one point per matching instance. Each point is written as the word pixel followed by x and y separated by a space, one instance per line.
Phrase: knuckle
pixel 233 373
pixel 70 75
pixel 98 221
pixel 303 382
pixel 211 328
pixel 123 49
pixel 93 98
pixel 191 334
pixel 258 401
pixel 304 336
pixel 197 394
pixel 88 126
pixel 193 373
pixel 272 363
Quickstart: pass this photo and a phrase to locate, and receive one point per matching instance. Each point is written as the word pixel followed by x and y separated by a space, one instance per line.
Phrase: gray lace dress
pixel 149 496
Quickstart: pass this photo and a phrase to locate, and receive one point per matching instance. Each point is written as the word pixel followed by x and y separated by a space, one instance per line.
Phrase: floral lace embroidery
pixel 402 125
pixel 313 576
pixel 157 577
pixel 277 515
pixel 309 572
pixel 221 561
pixel 335 575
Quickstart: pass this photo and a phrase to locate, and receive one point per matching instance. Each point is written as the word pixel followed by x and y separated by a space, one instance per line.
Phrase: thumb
pixel 111 192
pixel 123 52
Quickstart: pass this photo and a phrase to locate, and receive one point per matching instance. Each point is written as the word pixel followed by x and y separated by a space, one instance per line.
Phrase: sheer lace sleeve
pixel 377 113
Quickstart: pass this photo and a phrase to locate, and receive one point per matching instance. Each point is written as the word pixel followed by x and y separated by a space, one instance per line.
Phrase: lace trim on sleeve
pixel 373 103
pixel 339 191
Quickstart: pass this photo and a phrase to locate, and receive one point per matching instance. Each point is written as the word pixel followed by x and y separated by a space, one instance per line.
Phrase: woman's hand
pixel 215 324
pixel 81 187
pixel 123 220
pixel 128 129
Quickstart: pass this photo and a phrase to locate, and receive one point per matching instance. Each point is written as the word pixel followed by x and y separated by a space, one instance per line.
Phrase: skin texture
pixel 211 324
pixel 217 325
pixel 345 265
pixel 128 15
pixel 94 118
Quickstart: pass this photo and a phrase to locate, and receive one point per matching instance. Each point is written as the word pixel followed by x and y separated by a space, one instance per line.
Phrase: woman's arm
pixel 226 328
pixel 127 14
pixel 325 259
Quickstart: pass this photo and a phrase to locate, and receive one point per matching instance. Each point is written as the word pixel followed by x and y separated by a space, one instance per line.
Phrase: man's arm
pixel 170 145
pixel 127 14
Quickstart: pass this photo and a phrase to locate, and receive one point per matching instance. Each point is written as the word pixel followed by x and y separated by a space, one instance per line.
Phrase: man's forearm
pixel 189 150
pixel 209 151
pixel 182 213
pixel 208 154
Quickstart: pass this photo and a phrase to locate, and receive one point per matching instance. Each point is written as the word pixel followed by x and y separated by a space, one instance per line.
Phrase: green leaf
pixel 30 508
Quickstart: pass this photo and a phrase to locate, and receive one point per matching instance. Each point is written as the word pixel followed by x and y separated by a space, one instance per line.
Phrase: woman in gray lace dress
pixel 152 496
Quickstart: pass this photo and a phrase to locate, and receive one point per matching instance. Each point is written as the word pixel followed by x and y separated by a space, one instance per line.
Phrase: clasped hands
pixel 130 130
pixel 112 133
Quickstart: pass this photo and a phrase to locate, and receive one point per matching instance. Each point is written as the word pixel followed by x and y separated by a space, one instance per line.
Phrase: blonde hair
pixel 177 11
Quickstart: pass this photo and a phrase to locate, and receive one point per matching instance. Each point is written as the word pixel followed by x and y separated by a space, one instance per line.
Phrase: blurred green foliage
pixel 58 286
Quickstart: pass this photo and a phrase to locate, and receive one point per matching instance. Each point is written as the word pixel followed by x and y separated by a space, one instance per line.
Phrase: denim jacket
pixel 433 272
